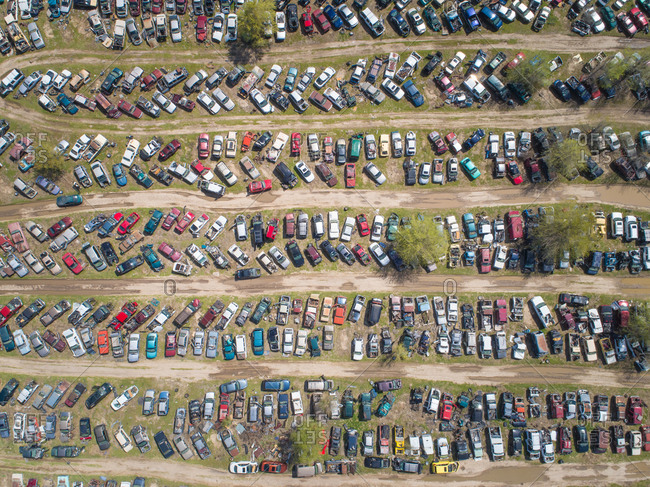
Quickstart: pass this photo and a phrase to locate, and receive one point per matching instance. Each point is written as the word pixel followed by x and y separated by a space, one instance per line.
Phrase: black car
pixel 262 141
pixel 235 76
pixel 291 13
pixel 252 273
pixel 593 170
pixel 528 262
pixel 397 261
pixel 201 447
pixel 111 81
pixel 129 265
pixel 101 436
pixel 410 171
pixel 285 175
pixel 399 23
pixel 30 312
pixel 581 439
pixel 85 431
pixel 273 339
pixel 107 250
pixel 8 391
pixel 345 254
pixel 352 440
pixel 541 143
pixel 294 253
pixel 100 393
pixel 335 441
pixel 32 451
pixel 4 425
pixel 100 314
pixel 376 462
pixel 434 60
pixel 62 451
pixel 329 250
pixel 195 411
pixel 164 446
pixel 573 299
pixel 279 100
pixel 557 342
pixel 515 447
pixel 561 90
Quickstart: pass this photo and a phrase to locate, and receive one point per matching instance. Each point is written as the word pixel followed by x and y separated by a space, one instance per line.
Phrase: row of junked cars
pixel 479 412
pixel 457 327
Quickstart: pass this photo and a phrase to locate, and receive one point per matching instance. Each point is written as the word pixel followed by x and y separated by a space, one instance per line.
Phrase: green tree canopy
pixel 566 230
pixel 420 244
pixel 639 325
pixel 566 157
pixel 255 22
pixel 49 166
pixel 532 77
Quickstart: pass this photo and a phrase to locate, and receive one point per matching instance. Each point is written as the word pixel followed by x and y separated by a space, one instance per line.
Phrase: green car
pixel 153 222
pixel 69 200
pixel 152 345
pixel 391 227
pixel 609 18
pixel 470 169
pixel 152 258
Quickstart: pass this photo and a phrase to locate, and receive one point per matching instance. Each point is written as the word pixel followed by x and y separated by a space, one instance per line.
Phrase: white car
pixel 506 14
pixel 375 174
pixel 287 341
pixel 348 17
pixel 209 103
pixel 276 71
pixel 74 342
pixel 416 22
pixel 217 227
pixel 425 173
pixel 631 226
pixel 231 28
pixel 218 24
pixel 595 323
pixel 324 77
pixel 281 31
pixel 377 228
pixel 21 341
pixel 357 348
pixel 226 173
pixel 518 348
pixel 197 342
pixel 348 228
pixel 542 312
pixel 238 254
pixel 611 139
pixel 333 229
pixel 240 347
pixel 279 257
pixel 306 79
pixel 301 342
pixel 228 315
pixel 130 152
pixel 616 224
pixel 522 11
pixel 79 146
pixel 304 171
pixel 500 254
pixel 594 19
pixel 123 399
pixel 410 142
pixel 379 254
pixel 455 62
pixel 223 99
pixel 175 28
pixel 392 89
pixel 509 144
pixel 396 143
pixel 296 403
pixel 164 102
pixel 261 101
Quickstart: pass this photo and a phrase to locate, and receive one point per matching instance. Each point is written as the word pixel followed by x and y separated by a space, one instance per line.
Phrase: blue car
pixel 273 385
pixel 468 14
pixel 397 260
pixel 66 104
pixel 283 406
pixel 257 338
pixel 332 16
pixel 153 222
pixel 120 177
pixel 595 263
pixel 561 90
pixel 412 93
pixel 474 139
pixel 69 200
pixel 490 19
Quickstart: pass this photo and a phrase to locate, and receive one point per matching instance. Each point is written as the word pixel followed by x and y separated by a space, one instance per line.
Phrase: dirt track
pixel 484 473
pixel 628 196
pixel 193 370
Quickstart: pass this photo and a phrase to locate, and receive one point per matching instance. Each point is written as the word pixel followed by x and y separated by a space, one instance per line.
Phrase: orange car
pixel 102 342
pixel 249 137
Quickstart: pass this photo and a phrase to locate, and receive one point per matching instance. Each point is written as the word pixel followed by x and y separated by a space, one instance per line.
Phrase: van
pixel 62 241
pixel 11 81
pixel 496 85
pixel 355 149
pixel 285 175
pixel 373 312
pixel 374 24
pixel 194 82
pixel 318 385
pixel 170 80
pixel 118 34
pixel 303 471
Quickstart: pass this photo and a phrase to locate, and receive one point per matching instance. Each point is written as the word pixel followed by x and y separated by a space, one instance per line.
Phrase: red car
pixel 156 6
pixel 361 254
pixel 169 150
pixel 639 19
pixel 134 8
pixel 59 227
pixel 626 25
pixel 201 27
pixel 183 102
pixel 170 344
pixel 102 342
pixel 272 229
pixel 72 263
pixel 447 407
pixel 350 175
pixel 438 144
pixel 514 224
pixel 150 80
pixel 259 186
pixel 181 7
pixel 362 223
pixel 535 172
pixel 515 62
pixel 445 84
pixel 645 436
pixel 182 225
pixel 296 141
pixel 564 441
pixel 452 142
pixel 307 24
pixel 555 406
pixel 128 223
pixel 484 265
pixel 514 172
pixel 128 109
pixel 169 252
pixel 204 146
pixel 10 309
pixel 200 169
pixel 321 21
pixel 171 217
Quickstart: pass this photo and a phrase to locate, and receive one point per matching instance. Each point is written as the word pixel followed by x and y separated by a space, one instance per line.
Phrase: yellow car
pixel 444 467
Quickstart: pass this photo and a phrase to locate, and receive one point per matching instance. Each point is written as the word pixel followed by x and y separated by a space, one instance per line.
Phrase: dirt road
pixel 627 196
pixel 331 282
pixel 470 474
pixel 529 371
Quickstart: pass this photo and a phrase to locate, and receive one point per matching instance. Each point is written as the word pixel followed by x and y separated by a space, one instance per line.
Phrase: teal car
pixel 609 17
pixel 69 200
pixel 644 140
pixel 470 169
pixel 290 81
pixel 228 347
pixel 153 222
pixel 470 226
pixel 152 258
pixel 258 341
pixel 152 345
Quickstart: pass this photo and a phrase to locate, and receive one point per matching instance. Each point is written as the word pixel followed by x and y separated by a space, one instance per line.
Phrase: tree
pixel 421 243
pixel 639 325
pixel 532 77
pixel 570 230
pixel 255 23
pixel 566 157
pixel 50 167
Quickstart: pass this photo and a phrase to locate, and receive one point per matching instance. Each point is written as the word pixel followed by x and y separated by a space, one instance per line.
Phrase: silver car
pixel 35 35
pixel 134 348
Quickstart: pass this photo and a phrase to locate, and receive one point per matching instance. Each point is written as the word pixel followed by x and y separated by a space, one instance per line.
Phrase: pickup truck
pixel 187 313
pixel 251 80
pixel 408 67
